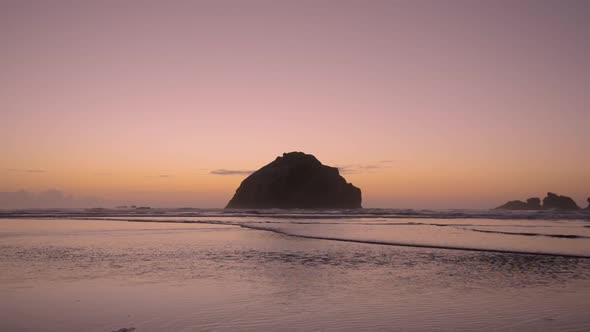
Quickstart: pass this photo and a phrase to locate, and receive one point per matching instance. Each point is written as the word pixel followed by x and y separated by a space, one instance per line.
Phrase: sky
pixel 422 104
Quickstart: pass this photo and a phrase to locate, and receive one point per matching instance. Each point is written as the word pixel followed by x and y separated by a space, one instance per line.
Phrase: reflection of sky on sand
pixel 560 237
pixel 104 275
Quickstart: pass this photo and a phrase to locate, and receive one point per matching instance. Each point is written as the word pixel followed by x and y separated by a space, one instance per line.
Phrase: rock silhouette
pixel 588 199
pixel 550 202
pixel 533 203
pixel 558 202
pixel 296 180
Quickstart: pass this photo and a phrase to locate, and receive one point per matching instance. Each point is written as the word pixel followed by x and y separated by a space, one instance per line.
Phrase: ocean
pixel 294 270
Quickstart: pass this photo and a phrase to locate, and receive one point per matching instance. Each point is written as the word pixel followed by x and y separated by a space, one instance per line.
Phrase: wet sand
pixel 73 275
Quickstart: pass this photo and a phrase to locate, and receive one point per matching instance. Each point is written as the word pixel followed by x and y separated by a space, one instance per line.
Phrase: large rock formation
pixel 557 202
pixel 588 199
pixel 551 202
pixel 533 203
pixel 296 180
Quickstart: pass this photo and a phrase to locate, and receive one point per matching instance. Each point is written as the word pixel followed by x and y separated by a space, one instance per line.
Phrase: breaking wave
pixel 530 232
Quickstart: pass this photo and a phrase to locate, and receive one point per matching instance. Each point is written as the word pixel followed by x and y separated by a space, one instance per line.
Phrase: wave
pixel 413 245
pixel 564 236
pixel 436 229
pixel 583 215
pixel 256 226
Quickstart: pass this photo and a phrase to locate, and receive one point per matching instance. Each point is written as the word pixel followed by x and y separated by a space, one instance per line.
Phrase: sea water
pixel 377 270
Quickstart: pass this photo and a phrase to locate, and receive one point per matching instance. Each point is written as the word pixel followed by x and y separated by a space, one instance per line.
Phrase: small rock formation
pixel 557 202
pixel 296 180
pixel 551 202
pixel 125 329
pixel 588 199
pixel 533 203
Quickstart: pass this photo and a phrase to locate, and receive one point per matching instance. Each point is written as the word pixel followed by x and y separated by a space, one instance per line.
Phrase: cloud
pixel 161 176
pixel 35 171
pixel 370 167
pixel 230 172
pixel 365 168
pixel 347 169
pixel 52 198
pixel 28 170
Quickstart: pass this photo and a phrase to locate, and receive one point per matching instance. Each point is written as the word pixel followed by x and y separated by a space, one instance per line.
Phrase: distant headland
pixel 296 180
pixel 551 202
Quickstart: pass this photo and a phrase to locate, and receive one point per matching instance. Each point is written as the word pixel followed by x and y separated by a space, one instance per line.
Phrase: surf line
pixel 327 238
pixel 428 246
pixel 561 236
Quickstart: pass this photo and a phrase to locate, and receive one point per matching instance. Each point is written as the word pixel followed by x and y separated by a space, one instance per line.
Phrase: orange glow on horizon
pixel 470 104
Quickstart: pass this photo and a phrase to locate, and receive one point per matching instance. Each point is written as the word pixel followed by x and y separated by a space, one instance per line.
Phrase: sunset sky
pixel 422 104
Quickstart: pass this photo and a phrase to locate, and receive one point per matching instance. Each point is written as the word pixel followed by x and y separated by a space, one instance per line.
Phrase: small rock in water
pixel 558 202
pixel 125 329
pixel 551 202
pixel 533 203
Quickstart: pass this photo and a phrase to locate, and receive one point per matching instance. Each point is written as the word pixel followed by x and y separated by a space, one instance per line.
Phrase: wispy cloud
pixel 35 170
pixel 51 198
pixel 366 168
pixel 28 170
pixel 347 169
pixel 161 176
pixel 230 172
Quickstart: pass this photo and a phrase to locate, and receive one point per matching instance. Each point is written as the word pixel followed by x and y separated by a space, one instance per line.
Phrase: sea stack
pixel 550 202
pixel 558 202
pixel 296 181
pixel 588 199
pixel 533 203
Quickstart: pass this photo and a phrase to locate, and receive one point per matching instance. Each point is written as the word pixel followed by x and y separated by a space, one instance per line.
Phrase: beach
pixel 294 166
pixel 61 274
